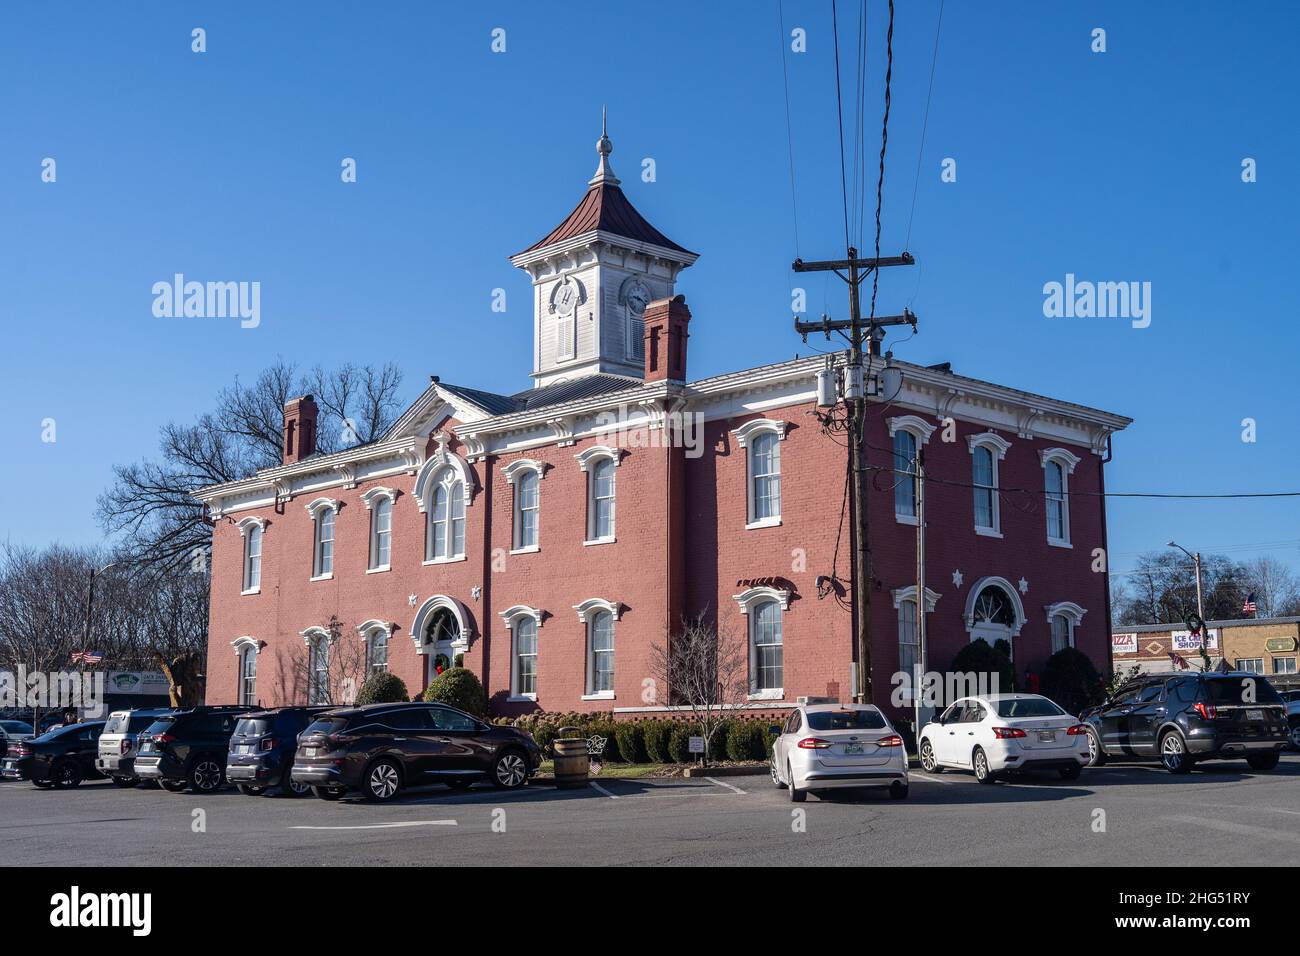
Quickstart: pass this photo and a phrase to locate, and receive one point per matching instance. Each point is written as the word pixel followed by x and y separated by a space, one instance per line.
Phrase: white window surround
pixel 512 616
pixel 372 497
pixel 997 446
pixel 587 612
pixel 588 457
pixel 909 594
pixel 426 611
pixel 424 483
pixel 316 508
pixel 750 428
pixel 249 522
pixel 1071 610
pixel 587 609
pixel 1013 596
pixel 240 643
pixel 386 626
pixel 517 467
pixel 912 423
pixel 1066 460
pixel 245 525
pixel 314 633
pixel 321 504
pixel 515 473
pixel 751 597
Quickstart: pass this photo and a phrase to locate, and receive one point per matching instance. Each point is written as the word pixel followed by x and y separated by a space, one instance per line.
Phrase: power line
pixel 839 119
pixel 884 141
pixel 789 132
pixel 925 124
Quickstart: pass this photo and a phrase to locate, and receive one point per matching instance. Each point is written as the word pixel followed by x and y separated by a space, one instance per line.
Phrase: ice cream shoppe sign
pixel 1187 641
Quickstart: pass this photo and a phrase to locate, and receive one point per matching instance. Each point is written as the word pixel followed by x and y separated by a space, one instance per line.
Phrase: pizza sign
pixel 1124 643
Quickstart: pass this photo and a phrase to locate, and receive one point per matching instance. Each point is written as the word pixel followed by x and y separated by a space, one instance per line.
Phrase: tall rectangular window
pixel 1061 636
pixel 602 500
pixel 324 551
pixel 768 658
pixel 985 488
pixel 253 558
pixel 765 475
pixel 525 656
pixel 601 661
pixel 381 533
pixel 908 648
pixel 526 510
pixel 1058 527
pixel 904 474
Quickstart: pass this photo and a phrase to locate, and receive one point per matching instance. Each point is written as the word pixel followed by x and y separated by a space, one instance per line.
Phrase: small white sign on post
pixel 695 745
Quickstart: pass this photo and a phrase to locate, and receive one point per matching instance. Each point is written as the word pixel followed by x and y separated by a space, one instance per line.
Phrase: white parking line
pixel 727 785
pixel 387 826
pixel 599 788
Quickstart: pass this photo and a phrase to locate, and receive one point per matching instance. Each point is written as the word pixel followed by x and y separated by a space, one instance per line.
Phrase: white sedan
pixel 832 746
pixel 1000 732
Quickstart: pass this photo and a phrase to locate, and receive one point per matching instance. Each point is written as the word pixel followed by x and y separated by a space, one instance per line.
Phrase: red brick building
pixel 553 536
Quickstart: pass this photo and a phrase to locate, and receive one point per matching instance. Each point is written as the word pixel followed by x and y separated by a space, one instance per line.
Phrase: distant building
pixel 1259 645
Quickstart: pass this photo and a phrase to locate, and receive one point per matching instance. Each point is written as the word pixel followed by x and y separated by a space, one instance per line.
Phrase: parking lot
pixel 1125 814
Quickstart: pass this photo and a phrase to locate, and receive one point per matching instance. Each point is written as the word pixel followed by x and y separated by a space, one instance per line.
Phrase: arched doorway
pixel 994 612
pixel 442 629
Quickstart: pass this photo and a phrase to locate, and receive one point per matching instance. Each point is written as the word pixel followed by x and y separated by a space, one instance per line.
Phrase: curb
pixel 724 771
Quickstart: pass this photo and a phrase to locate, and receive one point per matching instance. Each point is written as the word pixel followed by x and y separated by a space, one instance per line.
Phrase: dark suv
pixel 1186 718
pixel 262 749
pixel 188 748
pixel 118 742
pixel 382 748
pixel 61 758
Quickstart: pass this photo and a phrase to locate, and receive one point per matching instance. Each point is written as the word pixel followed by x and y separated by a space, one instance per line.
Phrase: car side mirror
pixel 774 730
pixel 938 719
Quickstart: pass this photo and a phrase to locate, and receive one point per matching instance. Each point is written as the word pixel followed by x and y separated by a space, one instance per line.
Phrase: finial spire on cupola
pixel 604 173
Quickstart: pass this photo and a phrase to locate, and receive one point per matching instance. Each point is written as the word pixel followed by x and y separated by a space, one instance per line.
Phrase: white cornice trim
pixel 374 494
pixel 373 625
pixel 991 440
pixel 512 614
pixel 434 466
pixel 240 643
pixel 320 504
pixel 915 424
pixel 743 433
pixel 517 467
pixel 251 521
pixel 589 456
pixel 558 249
pixel 909 594
pixel 314 633
pixel 1062 456
pixel 589 607
pixel 1071 610
pixel 750 597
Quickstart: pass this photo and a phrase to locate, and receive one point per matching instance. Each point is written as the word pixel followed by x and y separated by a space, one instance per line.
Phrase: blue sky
pixel 1118 166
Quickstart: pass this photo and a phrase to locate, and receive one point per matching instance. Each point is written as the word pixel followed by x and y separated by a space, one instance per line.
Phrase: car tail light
pixel 1207 711
pixel 893 740
pixel 1003 733
pixel 160 739
pixel 1077 729
pixel 124 746
pixel 22 750
pixel 814 743
pixel 268 743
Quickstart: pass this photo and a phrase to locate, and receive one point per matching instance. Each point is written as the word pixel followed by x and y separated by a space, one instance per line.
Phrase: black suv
pixel 382 748
pixel 188 748
pixel 262 749
pixel 61 758
pixel 1186 718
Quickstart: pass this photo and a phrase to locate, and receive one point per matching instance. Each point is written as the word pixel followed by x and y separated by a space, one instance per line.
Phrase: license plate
pixel 9 764
pixel 309 751
pixel 1254 715
pixel 1047 736
pixel 243 748
pixel 853 748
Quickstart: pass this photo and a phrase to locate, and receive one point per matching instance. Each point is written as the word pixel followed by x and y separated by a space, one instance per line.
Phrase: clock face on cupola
pixel 593 277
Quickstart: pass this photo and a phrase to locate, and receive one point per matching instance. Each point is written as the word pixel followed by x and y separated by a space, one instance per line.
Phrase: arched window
pixel 445 522
pixel 253 557
pixel 765 475
pixel 767 659
pixel 248 675
pixel 987 449
pixel 1058 465
pixel 381 534
pixel 323 551
pixel 318 670
pixel 904 474
pixel 600 653
pixel 376 651
pixel 994 607
pixel 524 682
pixel 526 510
pixel 909 648
pixel 602 500
pixel 1062 632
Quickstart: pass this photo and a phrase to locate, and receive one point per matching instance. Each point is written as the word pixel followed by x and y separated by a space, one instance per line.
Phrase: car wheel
pixel 173 786
pixel 288 788
pixel 206 775
pixel 1173 753
pixel 1262 762
pixel 776 776
pixel 928 762
pixel 898 791
pixel 460 784
pixel 980 762
pixel 383 781
pixel 1070 773
pixel 248 791
pixel 1295 734
pixel 126 782
pixel 509 771
pixel 328 793
pixel 796 795
pixel 65 775
pixel 1096 755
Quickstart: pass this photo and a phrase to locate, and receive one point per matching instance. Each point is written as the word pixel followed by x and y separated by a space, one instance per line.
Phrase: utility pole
pixel 1200 603
pixel 859 334
pixel 922 664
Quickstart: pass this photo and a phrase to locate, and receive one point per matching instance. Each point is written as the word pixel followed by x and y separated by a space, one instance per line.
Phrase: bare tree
pixel 1162 589
pixel 706 670
pixel 344 671
pixel 1277 590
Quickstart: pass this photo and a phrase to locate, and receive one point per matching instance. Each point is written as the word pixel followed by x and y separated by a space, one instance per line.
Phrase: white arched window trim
pixel 517 467
pixel 240 643
pixel 372 497
pixel 589 607
pixel 317 509
pixel 426 611
pixel 386 626
pixel 1018 608
pixel 1066 460
pixel 909 594
pixel 1068 608
pixel 997 447
pixel 245 526
pixel 312 637
pixel 512 616
pixel 744 436
pixel 587 612
pixel 588 457
pixel 587 461
pixel 320 504
pixel 911 423
pixel 242 646
pixel 514 473
pixel 429 471
pixel 753 596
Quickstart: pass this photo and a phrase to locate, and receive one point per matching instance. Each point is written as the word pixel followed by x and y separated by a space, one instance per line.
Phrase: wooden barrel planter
pixel 572 762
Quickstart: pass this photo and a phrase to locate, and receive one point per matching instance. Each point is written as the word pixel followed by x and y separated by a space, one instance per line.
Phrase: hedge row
pixel 652 740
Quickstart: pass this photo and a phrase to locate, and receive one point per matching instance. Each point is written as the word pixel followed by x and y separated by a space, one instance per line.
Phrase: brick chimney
pixel 299 428
pixel 665 339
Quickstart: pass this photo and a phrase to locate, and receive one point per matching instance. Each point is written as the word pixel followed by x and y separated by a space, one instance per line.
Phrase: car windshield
pixel 845 720
pixel 160 726
pixel 16 727
pixel 1028 707
pixel 1241 690
pixel 116 724
pixel 326 726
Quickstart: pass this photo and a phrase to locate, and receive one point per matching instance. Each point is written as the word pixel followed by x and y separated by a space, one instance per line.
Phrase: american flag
pixel 1248 606
pixel 87 657
pixel 1179 662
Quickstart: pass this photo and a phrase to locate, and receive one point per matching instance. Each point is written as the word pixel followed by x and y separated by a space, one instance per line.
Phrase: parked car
pixel 263 747
pixel 997 733
pixel 61 758
pixel 378 750
pixel 14 729
pixel 833 746
pixel 1292 700
pixel 188 748
pixel 1186 718
pixel 119 741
